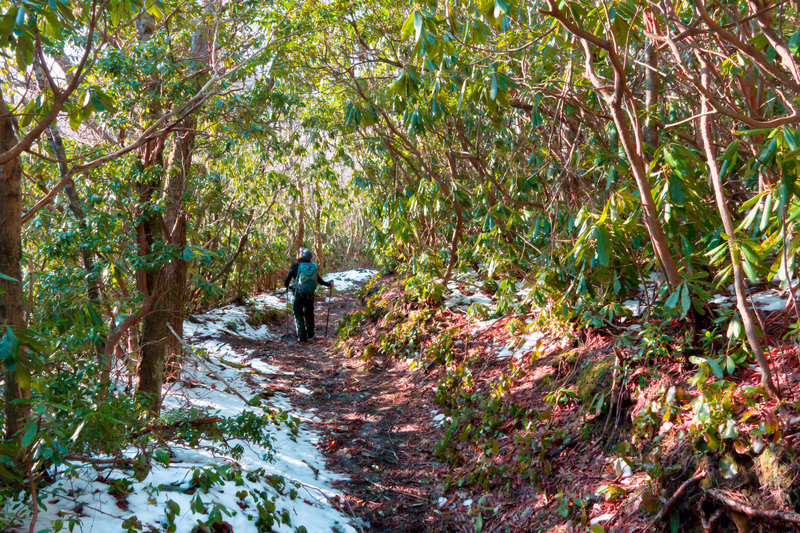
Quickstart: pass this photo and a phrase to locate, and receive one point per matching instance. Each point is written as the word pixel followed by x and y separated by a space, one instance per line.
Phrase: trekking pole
pixel 287 312
pixel 328 319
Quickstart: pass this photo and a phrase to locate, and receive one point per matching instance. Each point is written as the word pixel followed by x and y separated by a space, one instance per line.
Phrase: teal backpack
pixel 306 279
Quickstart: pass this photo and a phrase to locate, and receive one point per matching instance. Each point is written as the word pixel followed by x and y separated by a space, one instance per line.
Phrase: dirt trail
pixel 375 424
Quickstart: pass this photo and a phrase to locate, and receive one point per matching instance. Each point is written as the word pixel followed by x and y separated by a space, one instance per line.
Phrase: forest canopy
pixel 163 157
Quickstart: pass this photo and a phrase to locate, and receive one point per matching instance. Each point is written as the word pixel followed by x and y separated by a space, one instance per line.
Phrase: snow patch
pixel 769 301
pixel 223 390
pixel 602 518
pixel 350 279
pixel 230 320
pixel 531 342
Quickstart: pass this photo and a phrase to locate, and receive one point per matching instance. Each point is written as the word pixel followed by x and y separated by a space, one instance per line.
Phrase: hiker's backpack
pixel 306 279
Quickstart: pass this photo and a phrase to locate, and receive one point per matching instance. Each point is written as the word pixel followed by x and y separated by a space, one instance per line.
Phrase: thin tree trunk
pixel 12 298
pixel 630 136
pixel 459 221
pixel 651 221
pixel 318 237
pixel 300 236
pixel 631 139
pixel 651 83
pixel 730 231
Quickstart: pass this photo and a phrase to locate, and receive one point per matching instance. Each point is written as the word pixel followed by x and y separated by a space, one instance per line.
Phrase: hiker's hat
pixel 304 254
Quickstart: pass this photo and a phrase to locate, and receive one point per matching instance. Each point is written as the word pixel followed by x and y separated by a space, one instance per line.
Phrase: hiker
pixel 307 277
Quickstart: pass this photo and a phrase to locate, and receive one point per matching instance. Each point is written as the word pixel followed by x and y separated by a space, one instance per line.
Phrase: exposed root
pixel 735 502
pixel 696 478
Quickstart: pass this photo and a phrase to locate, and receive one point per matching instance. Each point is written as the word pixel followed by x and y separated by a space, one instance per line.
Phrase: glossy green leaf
pixel 794 42
pixel 729 430
pixel 603 246
pixel 418 25
pixel 686 300
pixel 20 19
pixel 408 26
pixel 7 26
pixel 29 434
pixel 672 301
pixel 715 368
pixel 9 347
pixel 75 121
pixel 767 212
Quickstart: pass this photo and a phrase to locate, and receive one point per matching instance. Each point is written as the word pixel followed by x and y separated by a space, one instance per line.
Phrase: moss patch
pixel 568 357
pixel 594 377
pixel 777 475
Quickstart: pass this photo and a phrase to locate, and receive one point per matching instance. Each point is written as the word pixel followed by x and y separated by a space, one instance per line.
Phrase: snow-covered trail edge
pixel 206 383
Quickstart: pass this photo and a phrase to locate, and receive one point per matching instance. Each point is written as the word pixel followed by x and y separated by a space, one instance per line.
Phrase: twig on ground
pixel 398 491
pixel 352 513
pixel 574 371
pixel 243 366
pixel 196 423
pixel 313 468
pixel 203 359
pixel 613 397
pixel 123 462
pixel 619 397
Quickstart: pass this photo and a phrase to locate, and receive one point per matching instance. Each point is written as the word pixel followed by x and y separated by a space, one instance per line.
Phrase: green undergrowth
pixel 663 400
pixel 260 317
pixel 70 429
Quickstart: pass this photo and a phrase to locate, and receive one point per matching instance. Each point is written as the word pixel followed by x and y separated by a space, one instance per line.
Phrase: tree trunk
pixel 318 238
pixel 730 231
pixel 150 276
pixel 178 166
pixel 631 139
pixel 459 220
pixel 651 221
pixel 152 283
pixel 651 83
pixel 12 298
pixel 167 284
pixel 300 236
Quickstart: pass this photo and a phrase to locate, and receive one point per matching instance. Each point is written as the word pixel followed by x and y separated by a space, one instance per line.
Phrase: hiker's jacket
pixel 293 274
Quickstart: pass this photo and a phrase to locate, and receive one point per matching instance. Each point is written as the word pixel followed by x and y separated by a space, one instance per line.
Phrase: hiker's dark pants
pixel 303 308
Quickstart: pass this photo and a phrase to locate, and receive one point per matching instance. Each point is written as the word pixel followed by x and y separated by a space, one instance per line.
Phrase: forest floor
pixel 378 429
